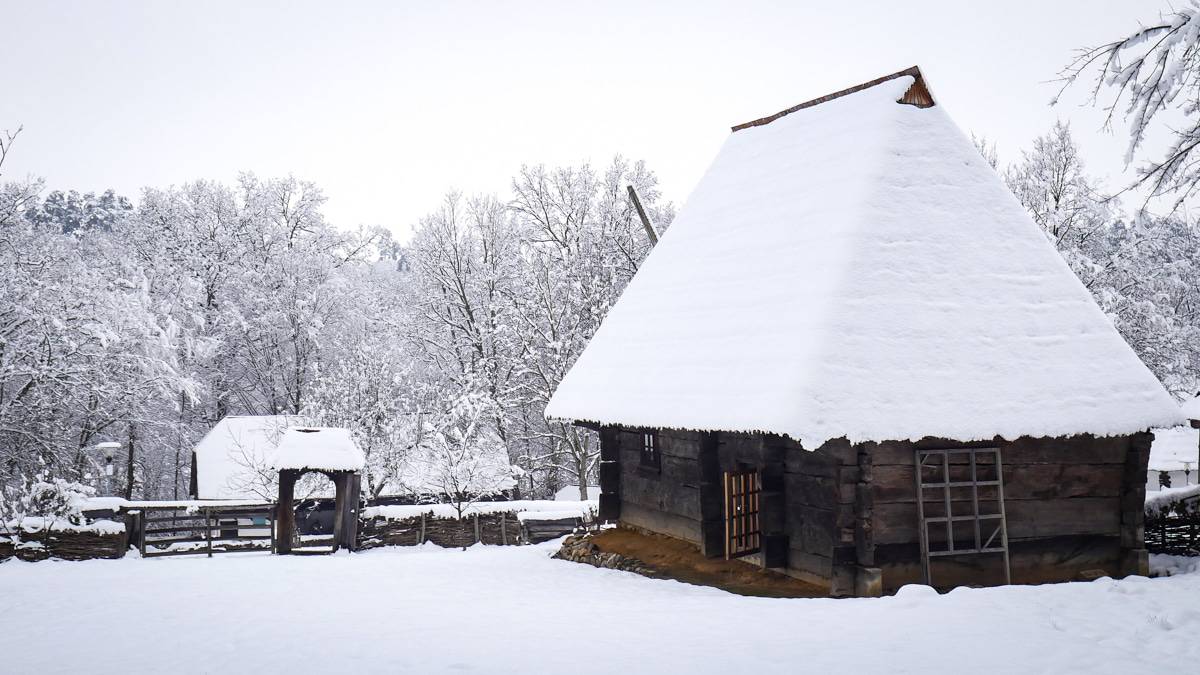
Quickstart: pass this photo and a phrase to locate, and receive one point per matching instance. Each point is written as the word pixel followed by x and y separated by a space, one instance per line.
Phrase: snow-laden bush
pixel 44 499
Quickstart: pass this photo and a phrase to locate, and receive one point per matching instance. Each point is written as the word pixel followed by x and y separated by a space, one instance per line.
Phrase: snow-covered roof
pixel 856 269
pixel 570 493
pixel 319 448
pixel 1175 449
pixel 232 460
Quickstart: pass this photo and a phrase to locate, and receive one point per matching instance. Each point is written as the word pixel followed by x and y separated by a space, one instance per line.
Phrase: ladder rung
pixel 966 551
pixel 961 519
pixel 958 484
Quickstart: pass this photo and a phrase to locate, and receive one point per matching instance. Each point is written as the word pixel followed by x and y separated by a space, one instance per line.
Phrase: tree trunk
pixel 129 473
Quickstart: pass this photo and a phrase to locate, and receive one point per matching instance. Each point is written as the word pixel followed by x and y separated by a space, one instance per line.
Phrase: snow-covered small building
pixel 232 461
pixel 1174 458
pixel 1175 455
pixel 856 359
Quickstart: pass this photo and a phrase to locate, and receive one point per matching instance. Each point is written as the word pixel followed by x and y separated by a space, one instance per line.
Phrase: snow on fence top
pixel 1169 498
pixel 233 455
pixel 580 509
pixel 37 524
pixel 318 448
pixel 856 269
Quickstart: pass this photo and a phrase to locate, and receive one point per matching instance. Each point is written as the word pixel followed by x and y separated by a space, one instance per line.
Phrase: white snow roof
pixel 232 459
pixel 320 448
pixel 1175 449
pixel 855 269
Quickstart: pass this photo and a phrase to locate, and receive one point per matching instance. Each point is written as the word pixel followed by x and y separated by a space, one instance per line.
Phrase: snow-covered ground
pixel 514 610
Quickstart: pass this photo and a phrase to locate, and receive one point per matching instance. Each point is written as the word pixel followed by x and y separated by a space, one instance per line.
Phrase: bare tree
pixel 1142 76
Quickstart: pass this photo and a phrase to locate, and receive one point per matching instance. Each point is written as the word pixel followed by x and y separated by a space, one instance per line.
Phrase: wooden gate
pixel 742 536
pixel 177 529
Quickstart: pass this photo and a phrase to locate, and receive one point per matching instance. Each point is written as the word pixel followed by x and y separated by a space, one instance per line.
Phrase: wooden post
pixel 712 492
pixel 610 475
pixel 350 520
pixel 422 528
pixel 1134 557
pixel 868 579
pixel 285 519
pixel 208 525
pixel 142 532
pixel 339 507
pixel 271 524
pixel 504 528
pixel 477 539
pixel 637 204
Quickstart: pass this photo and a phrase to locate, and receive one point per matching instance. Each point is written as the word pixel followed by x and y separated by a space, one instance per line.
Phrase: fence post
pixel 208 530
pixel 504 528
pixel 422 528
pixel 271 524
pixel 142 532
pixel 477 527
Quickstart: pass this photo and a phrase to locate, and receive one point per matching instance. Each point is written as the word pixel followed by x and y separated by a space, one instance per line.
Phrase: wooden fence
pixel 177 530
pixel 1173 533
pixel 503 528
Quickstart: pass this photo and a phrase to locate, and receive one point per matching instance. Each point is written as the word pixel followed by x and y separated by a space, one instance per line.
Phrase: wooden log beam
pixel 637 205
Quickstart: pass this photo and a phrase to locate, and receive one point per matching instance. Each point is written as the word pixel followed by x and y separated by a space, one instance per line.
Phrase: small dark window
pixel 651 457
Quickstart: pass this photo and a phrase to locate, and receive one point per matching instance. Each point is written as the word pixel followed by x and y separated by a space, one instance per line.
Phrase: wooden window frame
pixel 650 455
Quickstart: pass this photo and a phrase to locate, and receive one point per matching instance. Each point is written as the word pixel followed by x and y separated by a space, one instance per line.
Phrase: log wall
pixel 1064 498
pixel 665 500
pixel 847 514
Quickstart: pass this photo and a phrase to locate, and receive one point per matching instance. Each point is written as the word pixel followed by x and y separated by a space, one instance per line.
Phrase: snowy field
pixel 514 610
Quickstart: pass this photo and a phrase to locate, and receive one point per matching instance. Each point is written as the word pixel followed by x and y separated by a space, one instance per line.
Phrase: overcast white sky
pixel 387 105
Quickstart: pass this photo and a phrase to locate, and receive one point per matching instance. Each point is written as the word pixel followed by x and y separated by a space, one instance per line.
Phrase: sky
pixel 388 105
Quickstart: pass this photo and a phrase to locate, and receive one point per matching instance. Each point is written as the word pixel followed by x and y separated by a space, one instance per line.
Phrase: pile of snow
pixel 856 269
pixel 405 511
pixel 512 609
pixel 318 448
pixel 1163 565
pixel 233 458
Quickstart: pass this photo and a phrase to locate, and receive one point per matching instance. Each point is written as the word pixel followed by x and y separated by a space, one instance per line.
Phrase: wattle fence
pixel 157 529
pixel 1173 521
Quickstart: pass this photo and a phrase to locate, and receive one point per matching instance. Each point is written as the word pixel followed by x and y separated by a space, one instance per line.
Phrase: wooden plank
pixel 1075 450
pixel 1033 561
pixel 896 483
pixel 661 522
pixel 815 491
pixel 661 493
pixel 896 523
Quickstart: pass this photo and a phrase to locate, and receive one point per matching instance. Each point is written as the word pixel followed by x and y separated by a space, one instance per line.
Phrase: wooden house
pixel 854 358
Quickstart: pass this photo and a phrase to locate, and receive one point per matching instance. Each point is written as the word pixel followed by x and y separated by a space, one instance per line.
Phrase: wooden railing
pixel 178 530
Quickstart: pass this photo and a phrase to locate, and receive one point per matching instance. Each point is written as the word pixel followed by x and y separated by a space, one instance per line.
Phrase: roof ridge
pixel 921 98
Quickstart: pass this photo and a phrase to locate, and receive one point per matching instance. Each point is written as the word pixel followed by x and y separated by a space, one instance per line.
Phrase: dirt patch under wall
pixel 668 558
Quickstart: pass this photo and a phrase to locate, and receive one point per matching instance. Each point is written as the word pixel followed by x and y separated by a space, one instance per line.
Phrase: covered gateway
pixel 850 311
